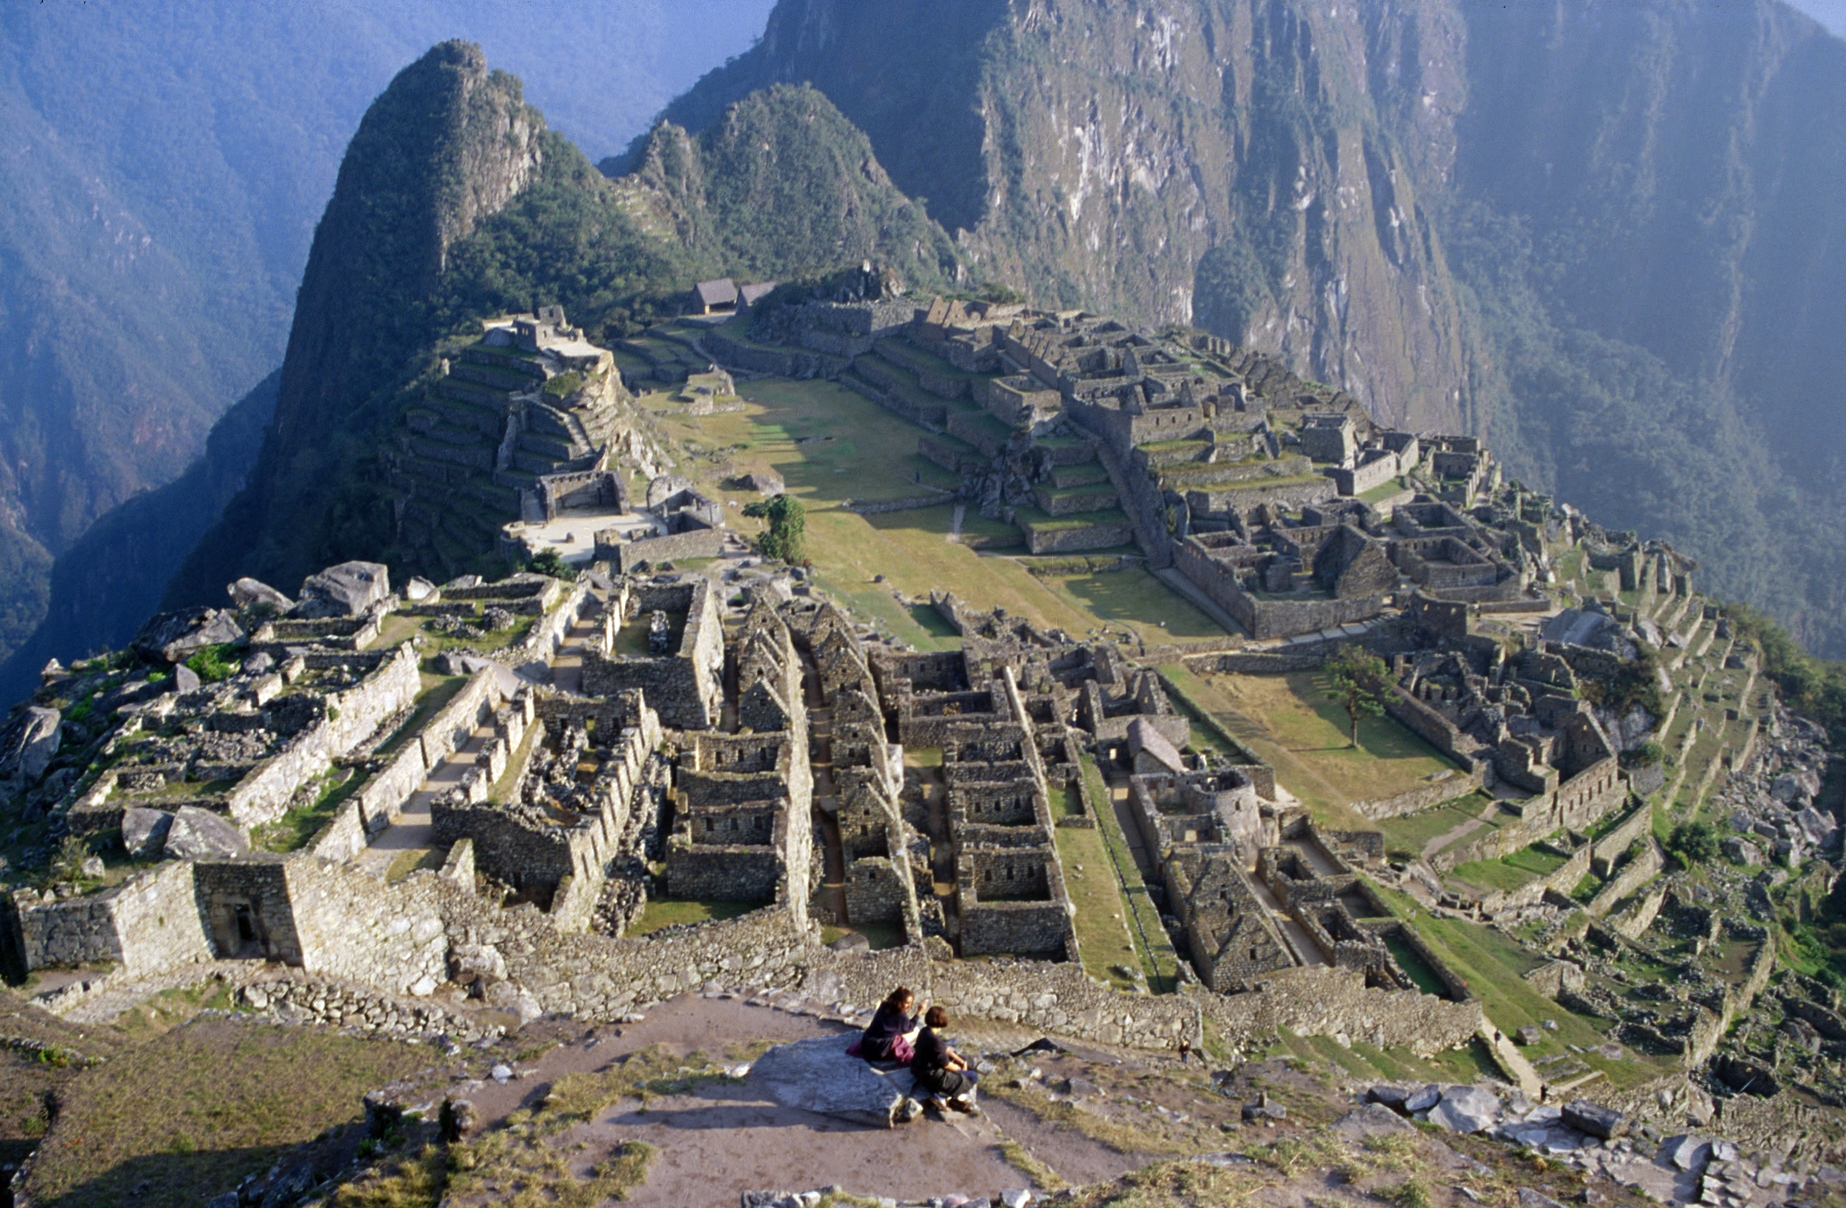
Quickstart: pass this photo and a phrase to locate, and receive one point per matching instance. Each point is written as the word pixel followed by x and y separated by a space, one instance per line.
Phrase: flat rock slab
pixel 820 1076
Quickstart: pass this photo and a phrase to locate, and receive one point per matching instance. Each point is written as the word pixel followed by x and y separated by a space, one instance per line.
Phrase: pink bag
pixel 901 1052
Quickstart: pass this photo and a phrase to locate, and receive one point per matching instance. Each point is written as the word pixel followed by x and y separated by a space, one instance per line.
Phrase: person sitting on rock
pixel 893 1030
pixel 940 1070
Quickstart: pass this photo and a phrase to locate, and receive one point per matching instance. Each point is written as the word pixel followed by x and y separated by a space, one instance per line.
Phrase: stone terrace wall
pixel 1430 726
pixel 547 634
pixel 352 717
pixel 147 925
pixel 1421 797
pixel 627 556
pixel 358 928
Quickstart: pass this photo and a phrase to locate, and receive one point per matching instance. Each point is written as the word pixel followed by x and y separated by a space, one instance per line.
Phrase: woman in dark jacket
pixel 893 1029
pixel 940 1070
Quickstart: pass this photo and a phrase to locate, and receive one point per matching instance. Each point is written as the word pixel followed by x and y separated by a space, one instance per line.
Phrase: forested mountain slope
pixel 164 168
pixel 454 203
pixel 1607 236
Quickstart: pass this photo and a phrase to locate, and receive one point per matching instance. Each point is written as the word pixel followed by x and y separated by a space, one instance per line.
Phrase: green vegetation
pixel 1694 843
pixel 564 384
pixel 1813 687
pixel 1358 680
pixel 1145 929
pixel 672 912
pixel 785 538
pixel 550 562
pixel 214 663
pixel 782 185
pixel 1406 836
pixel 193 1111
pixel 1089 876
pixel 299 826
pixel 1293 723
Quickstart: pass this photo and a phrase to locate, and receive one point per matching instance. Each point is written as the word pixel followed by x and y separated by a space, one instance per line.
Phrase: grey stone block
pixel 196 834
pixel 346 590
pixel 819 1076
pixel 1466 1109
pixel 1594 1119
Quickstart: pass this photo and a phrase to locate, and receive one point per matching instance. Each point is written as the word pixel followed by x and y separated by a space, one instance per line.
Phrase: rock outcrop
pixel 820 1076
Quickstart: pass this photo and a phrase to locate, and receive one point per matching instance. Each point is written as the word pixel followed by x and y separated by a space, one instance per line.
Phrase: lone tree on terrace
pixel 1359 682
pixel 788 526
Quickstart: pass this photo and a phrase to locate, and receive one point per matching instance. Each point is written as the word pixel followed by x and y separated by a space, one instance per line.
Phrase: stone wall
pixel 352 717
pixel 1637 872
pixel 1610 847
pixel 356 927
pixel 1429 725
pixel 149 924
pixel 1074 540
pixel 247 908
pixel 1422 797
pixel 1576 804
pixel 1265 617
pixel 686 688
pixel 627 556
pixel 547 634
pixel 1330 1002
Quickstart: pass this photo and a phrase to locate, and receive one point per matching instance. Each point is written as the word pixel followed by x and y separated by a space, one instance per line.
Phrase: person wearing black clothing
pixel 940 1070
pixel 890 1036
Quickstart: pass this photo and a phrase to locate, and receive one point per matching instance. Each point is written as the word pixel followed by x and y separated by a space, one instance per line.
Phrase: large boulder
pixel 1594 1119
pixel 820 1076
pixel 28 744
pixel 1466 1109
pixel 196 834
pixel 174 637
pixel 461 662
pixel 245 592
pixel 144 832
pixel 346 590
pixel 1798 785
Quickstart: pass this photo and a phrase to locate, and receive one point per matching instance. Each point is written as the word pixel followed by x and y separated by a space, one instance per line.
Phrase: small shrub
pixel 1411 1193
pixel 1649 754
pixel 565 384
pixel 214 663
pixel 1694 842
pixel 550 563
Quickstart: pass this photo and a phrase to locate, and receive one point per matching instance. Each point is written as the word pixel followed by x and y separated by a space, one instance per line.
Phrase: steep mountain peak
pixel 447 144
pixel 782 181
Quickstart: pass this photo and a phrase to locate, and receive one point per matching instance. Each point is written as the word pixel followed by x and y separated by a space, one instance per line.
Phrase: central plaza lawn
pixel 1293 723
pixel 833 447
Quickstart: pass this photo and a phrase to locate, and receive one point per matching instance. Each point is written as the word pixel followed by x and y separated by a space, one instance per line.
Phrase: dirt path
pixel 567 667
pixel 411 829
pixel 1465 829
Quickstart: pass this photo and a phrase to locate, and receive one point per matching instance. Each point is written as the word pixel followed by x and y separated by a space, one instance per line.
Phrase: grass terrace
pixel 662 913
pixel 191 1112
pixel 1293 723
pixel 1411 834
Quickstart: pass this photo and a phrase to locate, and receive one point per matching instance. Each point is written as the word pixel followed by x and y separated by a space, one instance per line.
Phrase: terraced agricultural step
pixel 1082 474
pixel 554 447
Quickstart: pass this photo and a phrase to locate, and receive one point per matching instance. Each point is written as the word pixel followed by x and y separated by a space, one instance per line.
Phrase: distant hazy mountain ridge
pixel 1608 237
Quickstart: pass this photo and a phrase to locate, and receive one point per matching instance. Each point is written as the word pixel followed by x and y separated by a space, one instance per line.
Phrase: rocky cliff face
pixel 444 146
pixel 1608 237
pixel 1256 167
